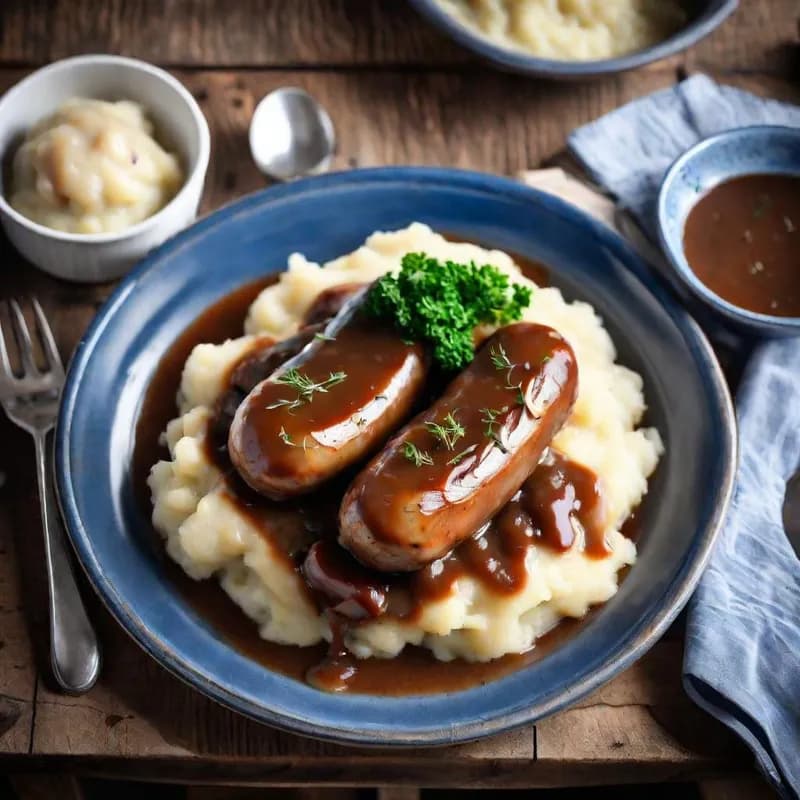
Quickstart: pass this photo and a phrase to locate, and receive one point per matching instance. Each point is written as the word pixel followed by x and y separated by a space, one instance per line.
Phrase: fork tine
pixel 23 338
pixel 4 362
pixel 48 341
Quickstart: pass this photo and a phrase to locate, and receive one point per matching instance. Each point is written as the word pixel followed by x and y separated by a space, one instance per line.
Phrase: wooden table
pixel 399 93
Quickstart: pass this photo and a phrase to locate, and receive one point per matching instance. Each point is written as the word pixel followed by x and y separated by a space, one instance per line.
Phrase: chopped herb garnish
pixel 459 457
pixel 500 358
pixel 286 438
pixel 489 419
pixel 501 361
pixel 306 387
pixel 448 433
pixel 442 303
pixel 418 457
pixel 361 421
pixel 323 337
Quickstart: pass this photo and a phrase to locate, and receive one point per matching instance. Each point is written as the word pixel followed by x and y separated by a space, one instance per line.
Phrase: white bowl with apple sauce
pixel 179 127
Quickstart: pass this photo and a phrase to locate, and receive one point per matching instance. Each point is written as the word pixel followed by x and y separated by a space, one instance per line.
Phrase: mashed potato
pixel 207 534
pixel 93 167
pixel 571 30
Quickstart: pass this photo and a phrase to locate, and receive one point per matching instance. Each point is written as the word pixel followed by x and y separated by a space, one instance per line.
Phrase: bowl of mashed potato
pixel 103 159
pixel 575 38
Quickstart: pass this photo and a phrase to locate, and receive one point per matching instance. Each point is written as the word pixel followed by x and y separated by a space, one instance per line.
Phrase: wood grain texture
pixel 33 786
pixel 17 668
pixel 761 36
pixel 746 789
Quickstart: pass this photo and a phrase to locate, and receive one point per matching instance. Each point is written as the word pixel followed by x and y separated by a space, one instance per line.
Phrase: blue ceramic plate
pixel 706 16
pixel 324 217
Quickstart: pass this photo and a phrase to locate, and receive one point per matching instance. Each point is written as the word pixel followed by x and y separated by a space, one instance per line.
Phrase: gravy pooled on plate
pixel 743 242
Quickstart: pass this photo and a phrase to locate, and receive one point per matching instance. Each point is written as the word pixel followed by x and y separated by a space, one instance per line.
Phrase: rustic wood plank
pixel 31 786
pixel 641 716
pixel 242 793
pixel 19 522
pixel 762 35
pixel 398 793
pixel 17 664
pixel 745 789
pixel 206 32
pixel 137 709
pixel 411 118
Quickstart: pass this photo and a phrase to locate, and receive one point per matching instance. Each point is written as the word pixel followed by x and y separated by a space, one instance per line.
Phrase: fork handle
pixel 74 650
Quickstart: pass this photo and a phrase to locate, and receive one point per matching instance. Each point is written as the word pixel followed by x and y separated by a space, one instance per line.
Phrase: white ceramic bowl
pixel 180 126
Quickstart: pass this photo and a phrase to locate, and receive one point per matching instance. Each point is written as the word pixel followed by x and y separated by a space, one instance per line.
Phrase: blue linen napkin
pixel 742 659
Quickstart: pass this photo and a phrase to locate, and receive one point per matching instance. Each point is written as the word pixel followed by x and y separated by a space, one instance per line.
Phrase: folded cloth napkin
pixel 742 660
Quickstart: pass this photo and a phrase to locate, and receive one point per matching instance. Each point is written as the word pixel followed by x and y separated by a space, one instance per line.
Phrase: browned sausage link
pixel 266 355
pixel 258 363
pixel 329 302
pixel 432 487
pixel 326 409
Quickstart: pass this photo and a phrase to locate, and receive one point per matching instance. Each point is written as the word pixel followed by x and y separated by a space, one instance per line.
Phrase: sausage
pixel 332 405
pixel 429 489
pixel 329 302
pixel 267 355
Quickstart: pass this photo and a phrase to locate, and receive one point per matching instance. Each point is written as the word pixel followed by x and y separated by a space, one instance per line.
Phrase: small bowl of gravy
pixel 729 222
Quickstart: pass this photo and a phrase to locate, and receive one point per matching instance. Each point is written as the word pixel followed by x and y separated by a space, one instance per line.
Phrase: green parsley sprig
pixel 442 303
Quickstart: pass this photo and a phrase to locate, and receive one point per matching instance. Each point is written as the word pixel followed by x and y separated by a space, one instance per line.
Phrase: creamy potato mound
pixel 93 167
pixel 571 30
pixel 207 535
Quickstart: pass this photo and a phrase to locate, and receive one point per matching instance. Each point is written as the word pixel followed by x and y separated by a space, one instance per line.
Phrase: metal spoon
pixel 291 135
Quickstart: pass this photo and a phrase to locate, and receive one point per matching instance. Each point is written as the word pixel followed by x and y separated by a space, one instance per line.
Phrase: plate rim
pixel 677 595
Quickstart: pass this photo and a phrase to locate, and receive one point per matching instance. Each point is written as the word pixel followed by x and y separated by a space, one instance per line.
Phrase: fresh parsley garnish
pixel 442 303
pixel 305 387
pixel 448 432
pixel 323 337
pixel 418 457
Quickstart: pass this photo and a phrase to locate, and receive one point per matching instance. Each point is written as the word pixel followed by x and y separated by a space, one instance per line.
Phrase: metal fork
pixel 31 401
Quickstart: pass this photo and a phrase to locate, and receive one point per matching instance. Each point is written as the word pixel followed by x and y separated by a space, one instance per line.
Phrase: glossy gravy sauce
pixel 743 242
pixel 547 508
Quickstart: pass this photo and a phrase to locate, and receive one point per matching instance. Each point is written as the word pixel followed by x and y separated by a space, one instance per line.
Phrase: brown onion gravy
pixel 742 240
pixel 545 509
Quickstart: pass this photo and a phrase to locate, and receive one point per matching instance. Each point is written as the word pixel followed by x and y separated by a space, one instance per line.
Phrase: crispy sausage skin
pixel 428 490
pixel 330 406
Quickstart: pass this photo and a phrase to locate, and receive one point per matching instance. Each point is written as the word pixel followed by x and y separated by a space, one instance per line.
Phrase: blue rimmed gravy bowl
pixel 757 150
